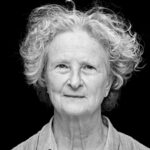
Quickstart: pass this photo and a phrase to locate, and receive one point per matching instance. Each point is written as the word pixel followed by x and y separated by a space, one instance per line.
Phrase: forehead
pixel 76 45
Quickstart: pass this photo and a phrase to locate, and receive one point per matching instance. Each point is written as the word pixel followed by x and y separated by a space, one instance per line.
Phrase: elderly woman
pixel 79 59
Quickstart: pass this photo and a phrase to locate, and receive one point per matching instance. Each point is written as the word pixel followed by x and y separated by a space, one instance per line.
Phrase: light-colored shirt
pixel 44 140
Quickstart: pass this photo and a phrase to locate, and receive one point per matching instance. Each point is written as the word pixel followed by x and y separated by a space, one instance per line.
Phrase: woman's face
pixel 76 73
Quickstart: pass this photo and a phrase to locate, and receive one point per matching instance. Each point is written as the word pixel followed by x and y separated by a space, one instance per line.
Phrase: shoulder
pixel 38 140
pixel 29 144
pixel 127 142
pixel 120 141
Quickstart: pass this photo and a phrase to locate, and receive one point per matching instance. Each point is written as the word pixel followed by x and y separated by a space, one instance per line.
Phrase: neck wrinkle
pixel 72 138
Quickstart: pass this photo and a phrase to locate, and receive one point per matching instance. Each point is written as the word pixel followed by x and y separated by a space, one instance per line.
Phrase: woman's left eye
pixel 89 67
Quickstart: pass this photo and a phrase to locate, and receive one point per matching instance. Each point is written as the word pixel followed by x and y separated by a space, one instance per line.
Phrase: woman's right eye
pixel 62 66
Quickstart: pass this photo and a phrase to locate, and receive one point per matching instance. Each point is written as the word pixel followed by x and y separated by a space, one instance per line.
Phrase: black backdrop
pixel 23 115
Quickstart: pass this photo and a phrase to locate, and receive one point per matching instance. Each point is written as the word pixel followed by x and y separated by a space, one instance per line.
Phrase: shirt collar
pixel 46 137
pixel 112 141
pixel 46 140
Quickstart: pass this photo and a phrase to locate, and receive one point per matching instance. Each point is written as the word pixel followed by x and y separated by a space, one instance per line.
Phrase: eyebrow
pixel 83 62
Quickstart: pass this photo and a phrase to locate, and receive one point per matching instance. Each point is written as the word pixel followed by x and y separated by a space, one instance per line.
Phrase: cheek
pixel 53 87
pixel 97 87
pixel 54 82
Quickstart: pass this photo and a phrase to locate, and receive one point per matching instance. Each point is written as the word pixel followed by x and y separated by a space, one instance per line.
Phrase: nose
pixel 75 80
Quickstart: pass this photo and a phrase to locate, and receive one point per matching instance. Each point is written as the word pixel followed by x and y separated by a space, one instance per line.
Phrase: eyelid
pixel 65 66
pixel 91 66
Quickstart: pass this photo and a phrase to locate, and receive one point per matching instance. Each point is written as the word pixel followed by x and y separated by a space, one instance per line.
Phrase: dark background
pixel 23 115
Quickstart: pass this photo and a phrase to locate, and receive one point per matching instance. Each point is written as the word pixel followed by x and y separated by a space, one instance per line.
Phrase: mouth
pixel 74 96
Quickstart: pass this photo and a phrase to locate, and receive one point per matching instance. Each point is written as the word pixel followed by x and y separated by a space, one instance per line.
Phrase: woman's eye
pixel 62 66
pixel 88 67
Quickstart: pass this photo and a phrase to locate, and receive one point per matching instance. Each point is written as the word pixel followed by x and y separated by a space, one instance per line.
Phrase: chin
pixel 74 110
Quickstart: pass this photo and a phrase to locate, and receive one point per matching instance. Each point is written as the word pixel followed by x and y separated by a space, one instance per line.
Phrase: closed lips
pixel 75 96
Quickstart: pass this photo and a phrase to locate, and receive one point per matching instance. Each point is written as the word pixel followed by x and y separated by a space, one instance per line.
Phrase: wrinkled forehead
pixel 76 45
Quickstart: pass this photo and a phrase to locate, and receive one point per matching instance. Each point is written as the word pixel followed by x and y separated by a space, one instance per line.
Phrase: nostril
pixel 75 87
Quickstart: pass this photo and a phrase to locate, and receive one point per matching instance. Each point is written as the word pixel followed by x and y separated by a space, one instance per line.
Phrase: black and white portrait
pixel 78 75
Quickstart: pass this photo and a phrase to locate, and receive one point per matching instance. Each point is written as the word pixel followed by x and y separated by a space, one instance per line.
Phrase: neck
pixel 78 132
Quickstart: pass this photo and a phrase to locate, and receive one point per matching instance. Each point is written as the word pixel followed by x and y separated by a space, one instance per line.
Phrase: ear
pixel 107 87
